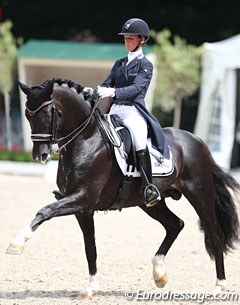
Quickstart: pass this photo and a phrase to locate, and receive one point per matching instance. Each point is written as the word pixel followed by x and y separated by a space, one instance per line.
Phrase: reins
pixel 52 137
pixel 79 129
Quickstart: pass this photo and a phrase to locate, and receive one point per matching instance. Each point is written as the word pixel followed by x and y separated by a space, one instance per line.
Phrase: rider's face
pixel 131 42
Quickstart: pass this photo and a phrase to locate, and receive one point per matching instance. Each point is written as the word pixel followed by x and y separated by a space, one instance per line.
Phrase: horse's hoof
pixel 159 274
pixel 162 281
pixel 84 295
pixel 14 249
pixel 219 289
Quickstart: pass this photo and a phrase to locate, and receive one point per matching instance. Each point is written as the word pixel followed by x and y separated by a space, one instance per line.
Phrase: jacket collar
pixel 134 55
pixel 135 61
pixel 132 63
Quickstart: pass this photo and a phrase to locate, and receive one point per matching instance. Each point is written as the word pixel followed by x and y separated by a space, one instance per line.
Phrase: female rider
pixel 127 84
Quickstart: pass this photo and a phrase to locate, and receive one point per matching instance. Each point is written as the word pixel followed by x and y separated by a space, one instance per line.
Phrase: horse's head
pixel 40 114
pixel 57 114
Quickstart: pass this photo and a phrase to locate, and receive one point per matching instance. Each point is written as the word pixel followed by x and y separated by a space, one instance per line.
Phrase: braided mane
pixel 61 81
pixel 41 93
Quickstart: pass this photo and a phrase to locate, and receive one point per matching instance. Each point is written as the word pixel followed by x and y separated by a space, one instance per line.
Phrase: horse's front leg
pixel 66 206
pixel 86 223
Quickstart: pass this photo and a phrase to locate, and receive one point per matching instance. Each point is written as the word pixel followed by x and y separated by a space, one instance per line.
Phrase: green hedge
pixel 20 156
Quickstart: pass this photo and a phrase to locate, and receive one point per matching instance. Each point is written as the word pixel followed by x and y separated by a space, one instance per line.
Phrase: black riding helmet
pixel 135 26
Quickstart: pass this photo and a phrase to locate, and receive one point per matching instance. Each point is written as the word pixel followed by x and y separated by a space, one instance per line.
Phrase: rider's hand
pixel 105 92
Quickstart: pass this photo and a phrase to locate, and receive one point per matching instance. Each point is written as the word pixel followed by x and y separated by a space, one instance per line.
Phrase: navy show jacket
pixel 131 83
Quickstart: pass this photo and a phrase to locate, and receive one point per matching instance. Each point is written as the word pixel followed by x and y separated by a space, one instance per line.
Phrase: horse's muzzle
pixel 41 152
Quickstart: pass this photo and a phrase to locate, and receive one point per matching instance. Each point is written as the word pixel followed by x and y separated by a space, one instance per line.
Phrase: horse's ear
pixel 49 87
pixel 25 89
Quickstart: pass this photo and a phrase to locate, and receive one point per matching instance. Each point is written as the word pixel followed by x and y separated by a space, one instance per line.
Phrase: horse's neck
pixel 74 109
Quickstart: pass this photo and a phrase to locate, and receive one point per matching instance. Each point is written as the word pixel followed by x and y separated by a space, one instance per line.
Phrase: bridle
pixel 52 137
pixel 45 137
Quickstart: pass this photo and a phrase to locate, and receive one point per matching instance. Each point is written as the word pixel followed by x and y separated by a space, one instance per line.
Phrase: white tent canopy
pixel 216 119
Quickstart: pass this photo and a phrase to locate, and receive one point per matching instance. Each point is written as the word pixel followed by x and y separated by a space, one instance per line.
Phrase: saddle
pixel 125 151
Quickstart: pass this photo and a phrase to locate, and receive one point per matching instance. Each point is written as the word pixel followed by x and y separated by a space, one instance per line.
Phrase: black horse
pixel 89 177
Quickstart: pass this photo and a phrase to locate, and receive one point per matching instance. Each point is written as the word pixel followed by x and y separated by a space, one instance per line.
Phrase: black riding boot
pixel 150 192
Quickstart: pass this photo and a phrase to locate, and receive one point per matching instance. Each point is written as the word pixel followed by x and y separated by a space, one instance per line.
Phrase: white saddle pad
pixel 160 166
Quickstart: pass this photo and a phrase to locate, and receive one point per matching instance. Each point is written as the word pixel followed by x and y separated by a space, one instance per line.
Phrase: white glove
pixel 105 92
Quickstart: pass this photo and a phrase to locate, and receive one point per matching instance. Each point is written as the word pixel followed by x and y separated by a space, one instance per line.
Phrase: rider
pixel 127 84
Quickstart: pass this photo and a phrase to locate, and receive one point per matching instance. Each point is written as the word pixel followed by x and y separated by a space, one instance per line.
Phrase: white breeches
pixel 135 123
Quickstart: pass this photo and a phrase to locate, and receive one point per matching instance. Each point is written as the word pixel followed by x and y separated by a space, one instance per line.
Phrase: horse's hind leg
pixel 173 225
pixel 203 203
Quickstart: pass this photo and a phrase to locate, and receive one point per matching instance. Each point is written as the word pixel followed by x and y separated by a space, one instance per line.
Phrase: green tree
pixel 8 48
pixel 178 75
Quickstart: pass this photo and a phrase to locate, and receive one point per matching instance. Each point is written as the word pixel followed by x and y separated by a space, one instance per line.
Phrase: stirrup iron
pixel 149 190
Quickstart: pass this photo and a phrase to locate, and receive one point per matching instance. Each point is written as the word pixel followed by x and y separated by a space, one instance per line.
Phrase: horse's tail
pixel 226 211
